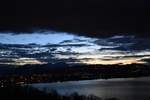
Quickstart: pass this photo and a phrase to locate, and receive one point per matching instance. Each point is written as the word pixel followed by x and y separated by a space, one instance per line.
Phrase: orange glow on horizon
pixel 113 62
pixel 25 61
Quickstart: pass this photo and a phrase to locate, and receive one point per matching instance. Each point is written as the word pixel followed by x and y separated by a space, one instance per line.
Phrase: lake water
pixel 123 89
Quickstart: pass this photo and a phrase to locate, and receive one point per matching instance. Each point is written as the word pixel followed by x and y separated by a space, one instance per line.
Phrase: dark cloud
pixel 65 45
pixel 72 41
pixel 124 43
pixel 85 17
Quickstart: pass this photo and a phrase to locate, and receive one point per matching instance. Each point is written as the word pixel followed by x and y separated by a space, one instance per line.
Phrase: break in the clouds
pixel 53 47
pixel 25 38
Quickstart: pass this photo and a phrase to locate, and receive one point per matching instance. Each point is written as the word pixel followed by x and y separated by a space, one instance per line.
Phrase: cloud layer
pixel 86 17
pixel 72 49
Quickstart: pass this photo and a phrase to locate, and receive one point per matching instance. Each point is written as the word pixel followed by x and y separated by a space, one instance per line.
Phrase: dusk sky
pixel 52 47
pixel 84 31
pixel 94 46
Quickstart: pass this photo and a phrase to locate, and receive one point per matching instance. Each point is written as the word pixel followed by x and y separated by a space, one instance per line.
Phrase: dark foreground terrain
pixel 17 92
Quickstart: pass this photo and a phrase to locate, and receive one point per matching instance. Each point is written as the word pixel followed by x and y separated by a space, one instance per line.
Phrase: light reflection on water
pixel 123 89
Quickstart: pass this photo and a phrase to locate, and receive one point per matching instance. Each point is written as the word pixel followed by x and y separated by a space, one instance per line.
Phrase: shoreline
pixel 110 79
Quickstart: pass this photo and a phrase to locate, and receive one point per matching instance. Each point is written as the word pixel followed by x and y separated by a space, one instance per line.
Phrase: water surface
pixel 123 89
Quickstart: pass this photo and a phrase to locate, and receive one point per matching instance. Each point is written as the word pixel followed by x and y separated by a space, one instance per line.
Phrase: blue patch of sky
pixel 37 38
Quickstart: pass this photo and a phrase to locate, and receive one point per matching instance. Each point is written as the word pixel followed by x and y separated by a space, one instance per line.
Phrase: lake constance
pixel 120 88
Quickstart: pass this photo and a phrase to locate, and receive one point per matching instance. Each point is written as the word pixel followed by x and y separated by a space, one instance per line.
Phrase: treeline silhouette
pixel 26 92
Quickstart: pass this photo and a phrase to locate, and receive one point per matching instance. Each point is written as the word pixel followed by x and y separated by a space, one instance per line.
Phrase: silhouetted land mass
pixel 26 92
pixel 27 74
